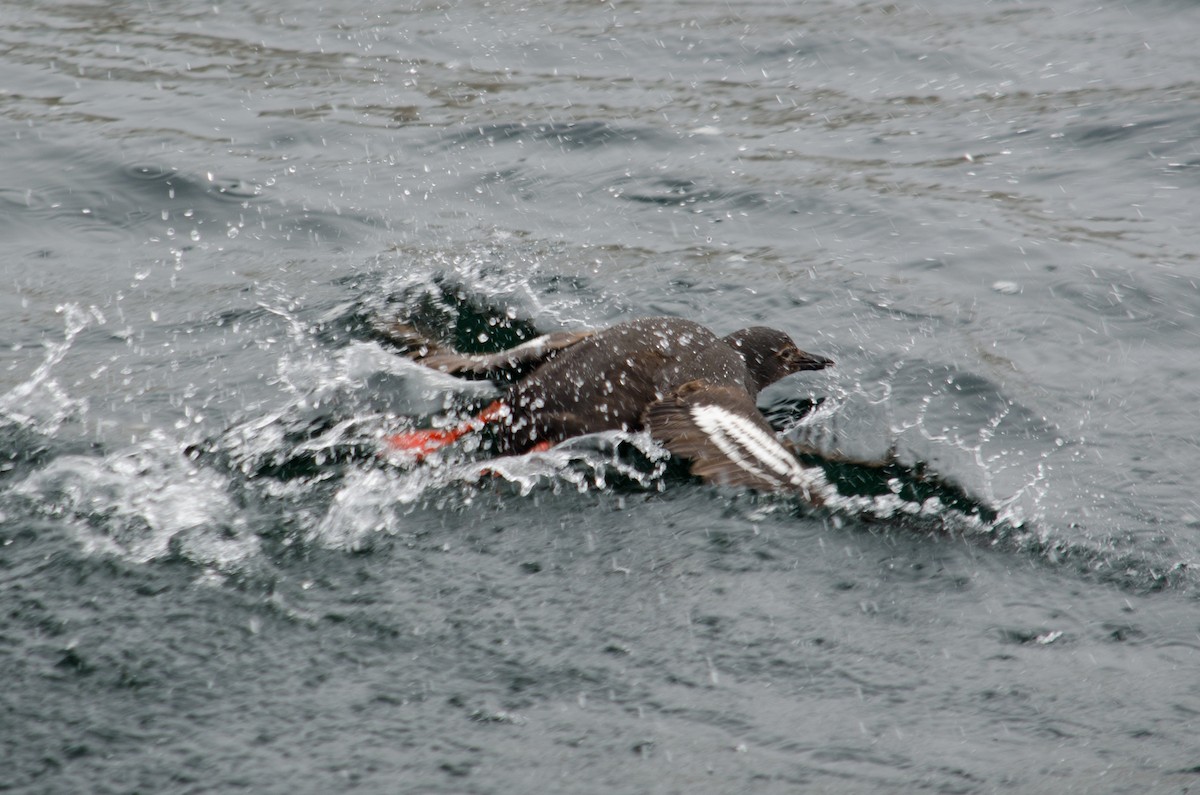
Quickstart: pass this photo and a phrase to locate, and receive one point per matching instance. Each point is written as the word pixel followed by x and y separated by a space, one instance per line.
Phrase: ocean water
pixel 211 580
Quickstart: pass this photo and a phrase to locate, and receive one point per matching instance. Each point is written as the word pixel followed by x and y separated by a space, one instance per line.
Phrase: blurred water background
pixel 986 213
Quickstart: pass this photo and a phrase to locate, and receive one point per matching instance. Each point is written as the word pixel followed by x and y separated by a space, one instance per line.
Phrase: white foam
pixel 144 503
pixel 373 502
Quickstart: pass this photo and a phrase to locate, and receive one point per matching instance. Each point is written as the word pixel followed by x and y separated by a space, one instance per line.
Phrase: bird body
pixel 692 390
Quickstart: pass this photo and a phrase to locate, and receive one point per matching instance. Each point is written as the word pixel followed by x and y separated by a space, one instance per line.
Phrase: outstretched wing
pixel 506 366
pixel 721 431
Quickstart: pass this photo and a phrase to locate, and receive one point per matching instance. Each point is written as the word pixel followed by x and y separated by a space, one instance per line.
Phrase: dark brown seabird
pixel 692 391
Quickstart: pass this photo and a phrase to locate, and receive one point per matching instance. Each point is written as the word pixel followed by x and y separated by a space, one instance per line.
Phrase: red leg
pixel 497 410
pixel 421 443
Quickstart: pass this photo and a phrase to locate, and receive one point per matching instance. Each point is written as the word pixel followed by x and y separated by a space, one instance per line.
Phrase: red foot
pixel 421 443
pixel 497 410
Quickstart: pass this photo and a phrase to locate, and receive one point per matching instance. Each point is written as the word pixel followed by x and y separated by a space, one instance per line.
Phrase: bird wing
pixel 507 366
pixel 721 431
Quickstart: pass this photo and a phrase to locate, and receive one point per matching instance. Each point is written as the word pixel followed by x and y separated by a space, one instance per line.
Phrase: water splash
pixel 371 502
pixel 477 287
pixel 936 421
pixel 144 503
pixel 40 403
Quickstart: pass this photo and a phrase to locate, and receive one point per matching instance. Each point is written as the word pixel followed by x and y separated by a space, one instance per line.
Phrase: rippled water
pixel 211 581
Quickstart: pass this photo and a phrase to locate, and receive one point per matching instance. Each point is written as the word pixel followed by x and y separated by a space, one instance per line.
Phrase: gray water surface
pixel 985 213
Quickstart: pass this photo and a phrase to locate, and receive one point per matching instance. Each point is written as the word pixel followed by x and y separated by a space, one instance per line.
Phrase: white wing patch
pixel 751 448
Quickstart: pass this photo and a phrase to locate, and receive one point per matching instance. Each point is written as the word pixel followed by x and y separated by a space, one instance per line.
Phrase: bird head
pixel 771 354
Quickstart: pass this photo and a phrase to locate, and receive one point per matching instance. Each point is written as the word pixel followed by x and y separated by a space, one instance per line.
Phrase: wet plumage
pixel 693 391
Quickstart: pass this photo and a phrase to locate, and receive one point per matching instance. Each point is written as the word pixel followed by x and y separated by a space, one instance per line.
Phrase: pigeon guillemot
pixel 693 391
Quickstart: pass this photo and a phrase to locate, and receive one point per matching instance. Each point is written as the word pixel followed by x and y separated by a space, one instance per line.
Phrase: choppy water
pixel 985 213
